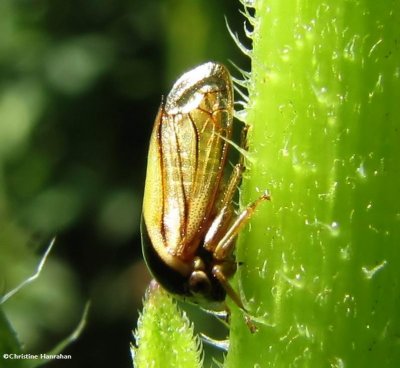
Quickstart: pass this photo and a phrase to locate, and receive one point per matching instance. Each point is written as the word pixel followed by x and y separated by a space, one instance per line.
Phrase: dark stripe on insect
pixel 185 204
pixel 160 153
pixel 196 133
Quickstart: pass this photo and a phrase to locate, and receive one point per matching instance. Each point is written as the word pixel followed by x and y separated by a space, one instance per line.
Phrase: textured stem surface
pixel 321 264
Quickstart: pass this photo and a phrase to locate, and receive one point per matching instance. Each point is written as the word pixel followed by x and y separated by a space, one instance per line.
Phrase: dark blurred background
pixel 80 85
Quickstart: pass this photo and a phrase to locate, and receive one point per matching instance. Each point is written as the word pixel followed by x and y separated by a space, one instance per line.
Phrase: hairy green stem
pixel 321 266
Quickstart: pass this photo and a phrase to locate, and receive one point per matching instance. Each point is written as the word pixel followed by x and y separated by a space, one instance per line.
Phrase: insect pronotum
pixel 189 224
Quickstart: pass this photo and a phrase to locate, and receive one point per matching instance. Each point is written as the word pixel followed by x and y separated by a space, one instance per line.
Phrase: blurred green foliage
pixel 80 84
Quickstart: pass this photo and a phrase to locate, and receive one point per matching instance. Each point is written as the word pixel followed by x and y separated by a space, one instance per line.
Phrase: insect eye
pixel 199 283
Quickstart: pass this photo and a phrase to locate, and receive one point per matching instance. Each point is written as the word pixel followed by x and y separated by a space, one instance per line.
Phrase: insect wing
pixel 186 159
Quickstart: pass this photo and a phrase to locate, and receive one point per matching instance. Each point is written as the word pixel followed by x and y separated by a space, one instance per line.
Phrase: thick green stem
pixel 321 264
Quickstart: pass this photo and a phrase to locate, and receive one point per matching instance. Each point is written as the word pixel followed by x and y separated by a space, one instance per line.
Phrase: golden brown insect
pixel 189 225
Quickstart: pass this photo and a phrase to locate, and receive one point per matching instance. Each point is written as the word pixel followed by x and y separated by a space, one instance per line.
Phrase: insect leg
pixel 232 185
pixel 226 244
pixel 219 274
pixel 222 270
pixel 236 175
pixel 224 217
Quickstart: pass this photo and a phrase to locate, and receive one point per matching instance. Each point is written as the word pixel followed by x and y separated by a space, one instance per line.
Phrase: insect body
pixel 188 224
